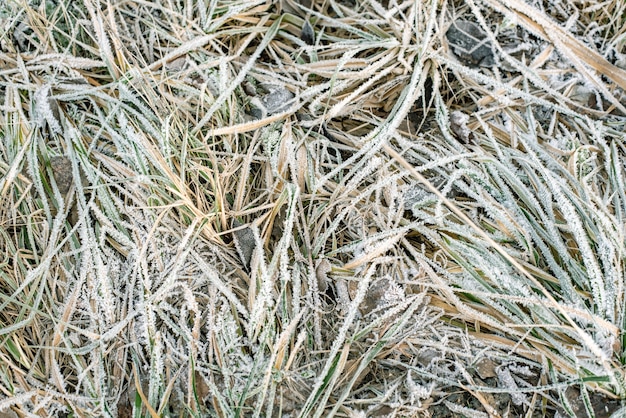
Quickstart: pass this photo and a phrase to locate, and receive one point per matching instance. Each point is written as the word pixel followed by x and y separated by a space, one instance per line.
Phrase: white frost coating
pixel 507 381
pixel 44 111
pixel 18 399
pixel 417 392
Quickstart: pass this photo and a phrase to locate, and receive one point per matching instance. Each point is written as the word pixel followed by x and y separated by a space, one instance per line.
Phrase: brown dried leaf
pixel 458 125
pixel 202 389
pixel 321 273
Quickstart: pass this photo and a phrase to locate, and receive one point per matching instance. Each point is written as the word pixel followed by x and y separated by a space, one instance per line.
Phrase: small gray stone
pixel 307 35
pixel 8 413
pixel 470 44
pixel 486 368
pixel 426 356
pixel 62 171
pixel 245 243
pixel 277 99
pixel 381 293
pixel 256 113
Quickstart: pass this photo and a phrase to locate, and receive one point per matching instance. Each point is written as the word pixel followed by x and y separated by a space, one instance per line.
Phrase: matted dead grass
pixel 322 208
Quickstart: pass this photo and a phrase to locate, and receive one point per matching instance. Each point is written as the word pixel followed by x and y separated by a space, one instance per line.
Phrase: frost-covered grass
pixel 206 213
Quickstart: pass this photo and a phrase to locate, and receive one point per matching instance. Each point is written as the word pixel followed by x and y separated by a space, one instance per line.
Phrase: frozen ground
pixel 323 208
